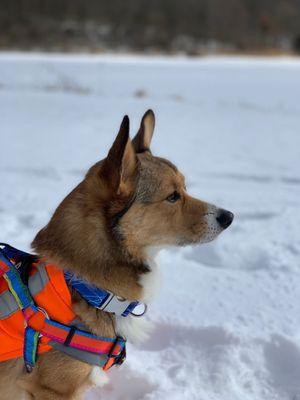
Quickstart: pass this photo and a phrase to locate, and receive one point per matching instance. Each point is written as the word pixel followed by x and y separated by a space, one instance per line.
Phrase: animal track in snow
pixel 166 335
pixel 282 358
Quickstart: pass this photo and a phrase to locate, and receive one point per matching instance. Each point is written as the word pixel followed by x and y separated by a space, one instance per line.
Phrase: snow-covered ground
pixel 227 319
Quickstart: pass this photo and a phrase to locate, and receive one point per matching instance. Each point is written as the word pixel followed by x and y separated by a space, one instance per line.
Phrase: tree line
pixel 191 26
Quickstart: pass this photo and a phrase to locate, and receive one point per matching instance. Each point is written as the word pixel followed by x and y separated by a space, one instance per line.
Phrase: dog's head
pixel 129 201
pixel 148 203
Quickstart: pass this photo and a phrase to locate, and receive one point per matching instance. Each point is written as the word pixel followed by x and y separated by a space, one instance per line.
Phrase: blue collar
pixel 100 298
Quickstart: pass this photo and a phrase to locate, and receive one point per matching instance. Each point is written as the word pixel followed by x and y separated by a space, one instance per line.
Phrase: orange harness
pixel 54 297
pixel 37 315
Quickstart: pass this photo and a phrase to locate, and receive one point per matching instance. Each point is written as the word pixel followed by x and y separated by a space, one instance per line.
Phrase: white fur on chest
pixel 138 329
pixel 98 377
pixel 151 280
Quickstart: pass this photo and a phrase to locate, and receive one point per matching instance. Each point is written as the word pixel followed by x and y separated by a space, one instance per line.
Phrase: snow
pixel 227 318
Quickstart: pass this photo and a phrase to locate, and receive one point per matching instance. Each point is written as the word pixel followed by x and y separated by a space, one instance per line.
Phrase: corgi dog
pixel 107 231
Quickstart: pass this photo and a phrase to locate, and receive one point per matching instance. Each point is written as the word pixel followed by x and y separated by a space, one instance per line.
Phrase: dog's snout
pixel 225 218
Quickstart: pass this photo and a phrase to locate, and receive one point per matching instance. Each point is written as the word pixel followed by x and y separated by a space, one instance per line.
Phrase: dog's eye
pixel 173 197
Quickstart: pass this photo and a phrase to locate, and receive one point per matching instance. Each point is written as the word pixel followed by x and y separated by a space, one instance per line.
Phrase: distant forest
pixel 189 26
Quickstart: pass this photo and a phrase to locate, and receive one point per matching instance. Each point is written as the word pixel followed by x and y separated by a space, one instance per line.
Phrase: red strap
pixel 80 341
pixel 113 348
pixel 3 268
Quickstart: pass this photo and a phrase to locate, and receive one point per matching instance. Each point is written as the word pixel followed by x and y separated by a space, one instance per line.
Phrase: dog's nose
pixel 225 218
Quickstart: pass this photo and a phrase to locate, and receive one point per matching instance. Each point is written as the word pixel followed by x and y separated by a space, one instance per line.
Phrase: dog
pixel 108 231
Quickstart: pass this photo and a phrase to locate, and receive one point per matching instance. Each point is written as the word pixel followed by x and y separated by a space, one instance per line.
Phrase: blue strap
pixel 23 298
pixel 15 283
pixel 130 308
pixel 94 295
pixel 31 340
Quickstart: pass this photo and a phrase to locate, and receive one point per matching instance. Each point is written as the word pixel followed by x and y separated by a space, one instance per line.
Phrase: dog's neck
pixel 120 275
pixel 74 241
pixel 79 241
pixel 128 278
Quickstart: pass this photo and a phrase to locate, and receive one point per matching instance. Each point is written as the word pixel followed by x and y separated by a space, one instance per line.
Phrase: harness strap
pixel 90 358
pixel 113 350
pixel 8 304
pixel 99 298
pixel 31 340
pixel 36 284
pixel 3 267
pixel 16 286
pixel 24 300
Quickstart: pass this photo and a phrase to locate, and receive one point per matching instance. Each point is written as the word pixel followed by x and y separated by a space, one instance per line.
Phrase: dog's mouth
pixel 215 221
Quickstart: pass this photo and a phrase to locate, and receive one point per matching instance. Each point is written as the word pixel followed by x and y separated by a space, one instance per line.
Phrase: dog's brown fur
pixel 86 236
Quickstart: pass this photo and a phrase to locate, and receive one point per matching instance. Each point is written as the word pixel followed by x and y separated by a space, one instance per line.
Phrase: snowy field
pixel 227 321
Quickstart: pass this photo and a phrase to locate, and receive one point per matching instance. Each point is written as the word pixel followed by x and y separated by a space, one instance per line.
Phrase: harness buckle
pixel 142 313
pixel 121 357
pixel 35 318
pixel 118 359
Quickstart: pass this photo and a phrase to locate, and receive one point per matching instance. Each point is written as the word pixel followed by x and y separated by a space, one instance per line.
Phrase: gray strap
pixel 39 280
pixel 8 304
pixel 81 355
pixel 36 283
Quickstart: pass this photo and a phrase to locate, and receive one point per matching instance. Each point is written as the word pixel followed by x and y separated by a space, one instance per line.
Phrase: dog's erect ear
pixel 142 139
pixel 121 163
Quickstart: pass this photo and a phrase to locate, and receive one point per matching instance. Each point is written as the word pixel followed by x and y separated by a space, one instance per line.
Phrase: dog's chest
pixel 98 377
pixel 137 329
pixel 132 328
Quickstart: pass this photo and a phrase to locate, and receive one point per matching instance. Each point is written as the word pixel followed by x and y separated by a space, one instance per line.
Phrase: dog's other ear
pixel 120 165
pixel 142 139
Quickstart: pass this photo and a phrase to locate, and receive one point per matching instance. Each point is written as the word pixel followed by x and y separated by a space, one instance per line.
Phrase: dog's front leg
pixel 48 394
pixel 56 377
pixel 34 391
